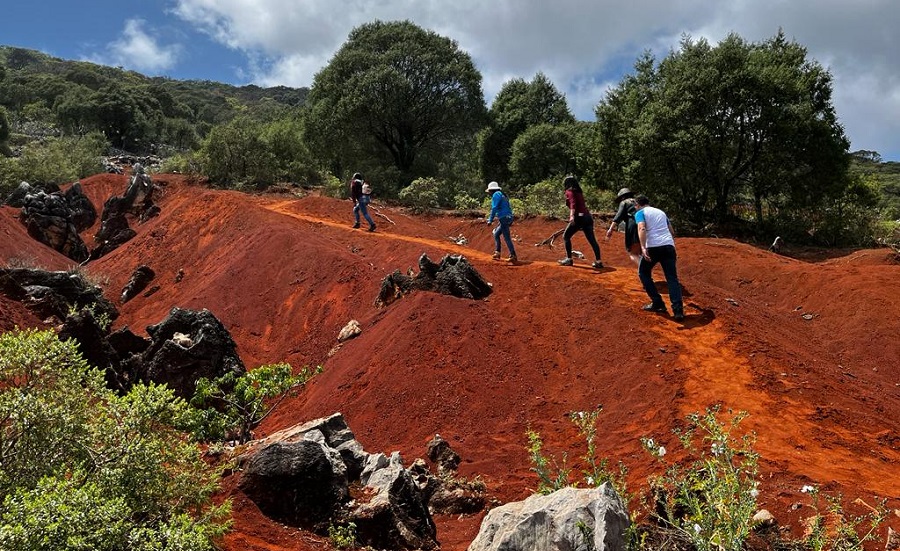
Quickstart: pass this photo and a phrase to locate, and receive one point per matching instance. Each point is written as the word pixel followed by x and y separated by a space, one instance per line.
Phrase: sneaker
pixel 372 227
pixel 512 258
pixel 356 226
pixel 678 316
pixel 496 255
pixel 597 264
pixel 653 307
pixel 565 262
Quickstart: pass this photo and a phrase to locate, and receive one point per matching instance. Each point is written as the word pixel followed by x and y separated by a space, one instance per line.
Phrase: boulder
pixel 349 331
pixel 396 517
pixel 48 219
pixel 566 520
pixel 213 352
pixel 83 212
pixel 16 198
pixel 452 276
pixel 298 483
pixel 55 293
pixel 140 278
pixel 440 452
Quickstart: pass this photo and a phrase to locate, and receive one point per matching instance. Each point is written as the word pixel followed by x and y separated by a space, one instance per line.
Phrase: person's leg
pixel 365 212
pixel 668 260
pixel 587 226
pixel 645 273
pixel 567 237
pixel 504 230
pixel 356 215
pixel 496 234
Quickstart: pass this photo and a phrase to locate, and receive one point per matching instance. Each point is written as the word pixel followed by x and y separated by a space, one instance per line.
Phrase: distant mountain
pixel 131 109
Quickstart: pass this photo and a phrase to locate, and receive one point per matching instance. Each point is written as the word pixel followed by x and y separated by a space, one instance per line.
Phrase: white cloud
pixel 581 45
pixel 138 50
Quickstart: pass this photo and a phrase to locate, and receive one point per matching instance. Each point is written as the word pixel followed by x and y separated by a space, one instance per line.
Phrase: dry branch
pixel 549 240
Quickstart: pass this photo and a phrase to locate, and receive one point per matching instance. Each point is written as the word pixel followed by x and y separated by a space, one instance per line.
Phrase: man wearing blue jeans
pixel 501 208
pixel 657 246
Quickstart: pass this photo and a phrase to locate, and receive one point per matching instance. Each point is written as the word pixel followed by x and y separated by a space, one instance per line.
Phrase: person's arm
pixel 570 201
pixel 495 204
pixel 620 215
pixel 642 233
pixel 671 229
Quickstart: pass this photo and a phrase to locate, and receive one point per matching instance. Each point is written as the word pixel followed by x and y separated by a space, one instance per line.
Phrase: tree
pixel 396 91
pixel 540 152
pixel 82 467
pixel 518 106
pixel 714 127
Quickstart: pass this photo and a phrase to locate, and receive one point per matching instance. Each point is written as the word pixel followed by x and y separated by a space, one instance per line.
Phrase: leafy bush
pixel 545 198
pixel 232 406
pixel 11 174
pixel 711 500
pixel 342 537
pixel 85 468
pixel 464 201
pixel 421 195
pixel 54 161
pixel 333 187
pixel 842 532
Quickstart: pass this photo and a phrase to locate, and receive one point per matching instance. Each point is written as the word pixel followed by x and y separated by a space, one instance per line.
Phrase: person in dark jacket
pixel 579 219
pixel 626 208
pixel 360 200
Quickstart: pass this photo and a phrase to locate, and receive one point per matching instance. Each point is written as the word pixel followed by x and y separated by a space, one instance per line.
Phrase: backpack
pixel 366 189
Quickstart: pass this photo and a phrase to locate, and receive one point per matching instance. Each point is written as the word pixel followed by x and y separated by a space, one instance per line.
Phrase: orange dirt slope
pixel 284 274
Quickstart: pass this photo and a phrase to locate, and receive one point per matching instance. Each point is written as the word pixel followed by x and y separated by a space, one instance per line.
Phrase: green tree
pixel 712 128
pixel 235 153
pixel 84 468
pixel 393 91
pixel 541 152
pixel 518 106
pixel 4 131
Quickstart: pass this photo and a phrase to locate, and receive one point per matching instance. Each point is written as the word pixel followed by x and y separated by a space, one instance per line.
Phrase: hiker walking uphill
pixel 501 208
pixel 657 240
pixel 360 194
pixel 579 219
pixel 626 209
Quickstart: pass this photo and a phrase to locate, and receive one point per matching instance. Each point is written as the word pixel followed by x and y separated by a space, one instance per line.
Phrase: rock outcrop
pixel 140 278
pixel 49 219
pixel 567 519
pixel 452 276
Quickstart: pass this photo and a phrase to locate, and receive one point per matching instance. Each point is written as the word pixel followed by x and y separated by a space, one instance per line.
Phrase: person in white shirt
pixel 657 246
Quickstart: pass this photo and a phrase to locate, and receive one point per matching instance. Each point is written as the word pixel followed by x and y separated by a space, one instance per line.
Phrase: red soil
pixel 284 274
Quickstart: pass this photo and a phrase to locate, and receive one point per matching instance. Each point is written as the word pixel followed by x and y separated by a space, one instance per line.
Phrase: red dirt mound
pixel 809 350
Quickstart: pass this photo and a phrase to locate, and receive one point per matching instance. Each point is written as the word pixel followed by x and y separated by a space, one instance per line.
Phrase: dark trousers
pixel 667 258
pixel 586 224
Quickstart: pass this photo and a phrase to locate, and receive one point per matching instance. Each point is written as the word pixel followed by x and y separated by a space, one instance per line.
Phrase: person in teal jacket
pixel 501 209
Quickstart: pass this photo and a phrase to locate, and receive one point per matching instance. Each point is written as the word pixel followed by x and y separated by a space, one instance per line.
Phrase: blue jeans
pixel 362 206
pixel 503 229
pixel 666 257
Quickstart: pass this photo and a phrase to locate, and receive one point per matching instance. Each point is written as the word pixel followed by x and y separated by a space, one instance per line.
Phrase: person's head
pixel 571 182
pixel 492 187
pixel 137 168
pixel 642 200
pixel 357 176
pixel 623 194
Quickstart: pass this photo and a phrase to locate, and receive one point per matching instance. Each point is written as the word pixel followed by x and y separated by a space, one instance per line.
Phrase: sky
pixel 584 47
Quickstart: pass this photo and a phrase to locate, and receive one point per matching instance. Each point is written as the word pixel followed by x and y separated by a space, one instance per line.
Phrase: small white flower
pixel 662 451
pixel 590 480
pixel 697 528
pixel 754 492
pixel 806 489
pixel 717 448
pixel 650 443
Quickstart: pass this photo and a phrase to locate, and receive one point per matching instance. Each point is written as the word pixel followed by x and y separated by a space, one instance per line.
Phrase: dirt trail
pixel 285 274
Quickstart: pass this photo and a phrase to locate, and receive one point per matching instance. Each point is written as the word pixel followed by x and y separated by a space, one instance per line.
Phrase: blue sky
pixel 583 46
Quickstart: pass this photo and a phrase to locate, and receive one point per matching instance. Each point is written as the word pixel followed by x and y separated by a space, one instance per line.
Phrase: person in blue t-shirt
pixel 501 209
pixel 657 246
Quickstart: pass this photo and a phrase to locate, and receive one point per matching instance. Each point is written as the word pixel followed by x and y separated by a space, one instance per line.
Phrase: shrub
pixel 464 201
pixel 545 198
pixel 711 500
pixel 342 537
pixel 421 195
pixel 60 160
pixel 835 529
pixel 333 187
pixel 232 406
pixel 85 468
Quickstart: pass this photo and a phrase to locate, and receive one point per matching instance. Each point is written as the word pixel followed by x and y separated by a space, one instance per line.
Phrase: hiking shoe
pixel 565 262
pixel 356 226
pixel 496 255
pixel 653 307
pixel 372 227
pixel 597 264
pixel 512 258
pixel 679 316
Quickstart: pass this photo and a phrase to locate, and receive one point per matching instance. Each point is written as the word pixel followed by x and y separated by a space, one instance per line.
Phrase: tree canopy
pixel 713 128
pixel 394 89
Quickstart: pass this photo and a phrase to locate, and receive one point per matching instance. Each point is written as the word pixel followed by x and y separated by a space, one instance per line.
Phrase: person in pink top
pixel 579 219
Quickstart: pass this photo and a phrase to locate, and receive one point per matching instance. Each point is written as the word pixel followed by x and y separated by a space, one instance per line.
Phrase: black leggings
pixel 584 223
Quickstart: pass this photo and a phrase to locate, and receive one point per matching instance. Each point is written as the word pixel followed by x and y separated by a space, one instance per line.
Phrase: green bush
pixel 333 187
pixel 85 468
pixel 230 407
pixel 60 160
pixel 421 195
pixel 464 201
pixel 11 174
pixel 546 198
pixel 709 501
